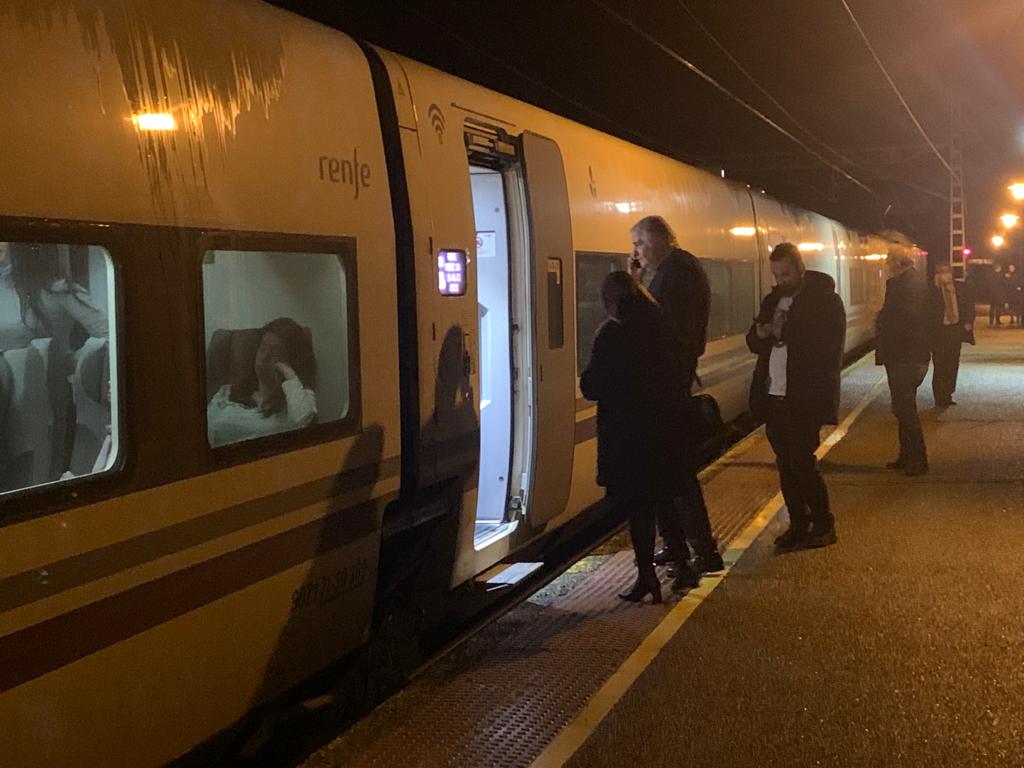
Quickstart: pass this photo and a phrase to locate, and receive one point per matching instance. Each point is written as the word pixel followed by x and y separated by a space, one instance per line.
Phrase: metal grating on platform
pixel 501 697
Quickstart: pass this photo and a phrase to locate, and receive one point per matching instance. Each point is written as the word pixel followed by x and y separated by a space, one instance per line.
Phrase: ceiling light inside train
pixel 1009 220
pixel 810 247
pixel 1017 190
pixel 875 257
pixel 155 121
pixel 743 231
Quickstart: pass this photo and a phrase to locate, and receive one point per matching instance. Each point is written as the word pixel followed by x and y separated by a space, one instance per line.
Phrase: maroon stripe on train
pixel 34 651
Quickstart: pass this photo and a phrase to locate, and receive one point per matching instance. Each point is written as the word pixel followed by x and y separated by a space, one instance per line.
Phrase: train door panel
pixel 550 255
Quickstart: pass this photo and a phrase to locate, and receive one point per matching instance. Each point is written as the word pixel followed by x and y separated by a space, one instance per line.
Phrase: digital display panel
pixel 451 273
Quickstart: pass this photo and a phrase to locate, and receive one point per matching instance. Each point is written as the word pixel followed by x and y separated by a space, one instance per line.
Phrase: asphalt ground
pixel 900 645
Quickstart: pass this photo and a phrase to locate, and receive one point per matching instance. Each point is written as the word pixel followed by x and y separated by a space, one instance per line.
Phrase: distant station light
pixel 1010 220
pixel 1017 190
pixel 810 247
pixel 998 241
pixel 723 173
pixel 155 121
pixel 967 252
pixel 743 231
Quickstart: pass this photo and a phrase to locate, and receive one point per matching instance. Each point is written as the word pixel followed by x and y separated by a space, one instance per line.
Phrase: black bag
pixel 707 429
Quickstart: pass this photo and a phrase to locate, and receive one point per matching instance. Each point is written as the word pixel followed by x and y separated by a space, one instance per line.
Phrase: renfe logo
pixel 345 171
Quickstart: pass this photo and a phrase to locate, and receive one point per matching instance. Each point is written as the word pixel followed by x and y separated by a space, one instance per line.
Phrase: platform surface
pixel 900 645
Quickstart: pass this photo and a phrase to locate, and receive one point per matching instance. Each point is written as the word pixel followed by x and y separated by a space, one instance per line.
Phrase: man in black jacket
pixel 798 338
pixel 902 346
pixel 680 286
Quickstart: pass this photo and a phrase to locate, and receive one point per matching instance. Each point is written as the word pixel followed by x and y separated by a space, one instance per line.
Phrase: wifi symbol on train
pixel 437 121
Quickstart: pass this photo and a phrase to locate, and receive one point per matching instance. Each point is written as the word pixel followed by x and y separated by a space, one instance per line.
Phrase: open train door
pixel 550 253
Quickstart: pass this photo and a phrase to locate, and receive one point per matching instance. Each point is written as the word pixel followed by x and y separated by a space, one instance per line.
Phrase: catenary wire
pixel 896 90
pixel 760 88
pixel 625 131
pixel 711 81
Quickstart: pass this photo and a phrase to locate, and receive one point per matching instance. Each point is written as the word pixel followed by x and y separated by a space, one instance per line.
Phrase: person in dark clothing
pixel 995 295
pixel 680 286
pixel 1011 292
pixel 952 325
pixel 902 346
pixel 631 375
pixel 798 338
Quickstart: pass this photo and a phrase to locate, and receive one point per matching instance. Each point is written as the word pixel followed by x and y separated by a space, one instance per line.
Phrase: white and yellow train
pixel 190 171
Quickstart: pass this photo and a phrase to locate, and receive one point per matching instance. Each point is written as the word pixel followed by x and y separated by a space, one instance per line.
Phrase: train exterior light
pixel 451 273
pixel 155 121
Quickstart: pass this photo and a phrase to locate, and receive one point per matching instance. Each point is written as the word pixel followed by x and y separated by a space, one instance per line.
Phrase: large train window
pixel 732 296
pixel 58 382
pixel 591 269
pixel 744 296
pixel 280 341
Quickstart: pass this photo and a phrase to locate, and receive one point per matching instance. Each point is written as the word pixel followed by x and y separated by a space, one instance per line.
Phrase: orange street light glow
pixel 1017 190
pixel 998 241
pixel 1010 220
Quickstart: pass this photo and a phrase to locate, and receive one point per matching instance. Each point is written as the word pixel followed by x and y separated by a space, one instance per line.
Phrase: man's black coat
pixel 814 334
pixel 903 325
pixel 681 287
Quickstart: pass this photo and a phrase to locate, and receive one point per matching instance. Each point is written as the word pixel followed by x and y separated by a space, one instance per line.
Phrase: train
pixel 182 176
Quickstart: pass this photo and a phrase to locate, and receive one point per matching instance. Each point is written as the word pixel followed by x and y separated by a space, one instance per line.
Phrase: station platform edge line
pixel 573 735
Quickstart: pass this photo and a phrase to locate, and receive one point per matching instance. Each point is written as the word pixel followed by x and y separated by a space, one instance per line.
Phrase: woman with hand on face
pixel 633 375
pixel 282 400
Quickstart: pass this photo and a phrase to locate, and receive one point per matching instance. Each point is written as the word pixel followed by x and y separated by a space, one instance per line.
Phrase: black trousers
pixel 686 516
pixel 904 379
pixel 794 439
pixel 946 363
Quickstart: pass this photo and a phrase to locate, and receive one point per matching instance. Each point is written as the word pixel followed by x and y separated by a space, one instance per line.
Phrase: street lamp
pixel 1009 220
pixel 998 241
pixel 1017 190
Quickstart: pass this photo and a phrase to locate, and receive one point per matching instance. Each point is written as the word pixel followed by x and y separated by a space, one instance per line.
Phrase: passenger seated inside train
pixel 50 317
pixel 270 374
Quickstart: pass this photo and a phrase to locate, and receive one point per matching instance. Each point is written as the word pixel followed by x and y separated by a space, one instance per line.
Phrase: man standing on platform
pixel 679 284
pixel 901 338
pixel 798 338
pixel 953 325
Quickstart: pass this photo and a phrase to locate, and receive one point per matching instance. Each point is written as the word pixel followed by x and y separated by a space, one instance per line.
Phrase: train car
pixel 288 322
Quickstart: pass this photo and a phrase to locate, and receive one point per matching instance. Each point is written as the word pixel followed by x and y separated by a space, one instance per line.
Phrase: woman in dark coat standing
pixel 631 375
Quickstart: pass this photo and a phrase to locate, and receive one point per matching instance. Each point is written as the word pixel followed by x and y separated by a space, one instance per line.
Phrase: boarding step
pixel 505 575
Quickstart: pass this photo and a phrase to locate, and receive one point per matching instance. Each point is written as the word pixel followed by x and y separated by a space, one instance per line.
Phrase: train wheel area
pixel 899 643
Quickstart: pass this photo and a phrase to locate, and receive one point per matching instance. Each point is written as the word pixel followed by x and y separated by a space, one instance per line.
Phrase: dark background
pixel 574 57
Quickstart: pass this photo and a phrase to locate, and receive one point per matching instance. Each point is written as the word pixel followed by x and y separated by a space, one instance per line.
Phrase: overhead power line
pixel 903 101
pixel 629 23
pixel 757 85
pixel 624 130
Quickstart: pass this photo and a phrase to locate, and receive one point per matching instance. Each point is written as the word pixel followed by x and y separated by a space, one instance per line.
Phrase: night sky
pixel 576 58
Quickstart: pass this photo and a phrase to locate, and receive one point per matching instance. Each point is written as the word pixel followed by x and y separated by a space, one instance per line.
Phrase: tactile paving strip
pixel 501 697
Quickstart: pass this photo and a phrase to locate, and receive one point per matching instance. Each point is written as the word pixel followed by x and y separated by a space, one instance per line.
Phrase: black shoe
pixel 791 538
pixel 646 584
pixel 944 403
pixel 896 464
pixel 663 556
pixel 710 563
pixel 914 470
pixel 817 538
pixel 685 579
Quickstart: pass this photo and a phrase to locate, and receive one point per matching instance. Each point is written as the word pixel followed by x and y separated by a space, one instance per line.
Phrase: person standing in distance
pixel 798 338
pixel 953 324
pixel 678 283
pixel 902 346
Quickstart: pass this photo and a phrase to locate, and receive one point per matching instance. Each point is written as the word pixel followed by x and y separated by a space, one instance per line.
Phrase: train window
pixel 591 269
pixel 58 382
pixel 743 297
pixel 720 278
pixel 556 314
pixel 280 335
pixel 858 284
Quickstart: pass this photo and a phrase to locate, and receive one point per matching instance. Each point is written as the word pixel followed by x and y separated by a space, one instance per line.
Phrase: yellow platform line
pixel 573 735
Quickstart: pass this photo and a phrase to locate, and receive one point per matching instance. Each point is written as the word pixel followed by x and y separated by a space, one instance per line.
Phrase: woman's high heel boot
pixel 647 583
